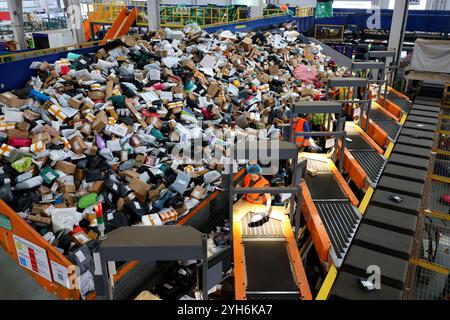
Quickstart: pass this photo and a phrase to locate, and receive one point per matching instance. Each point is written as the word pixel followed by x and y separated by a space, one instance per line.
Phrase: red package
pixel 445 198
pixel 76 230
pixel 19 142
pixel 64 70
pixel 206 114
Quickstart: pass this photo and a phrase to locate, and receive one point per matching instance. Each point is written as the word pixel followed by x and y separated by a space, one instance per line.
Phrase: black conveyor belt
pixel 268 267
pixel 386 234
pixel 372 162
pixel 402 103
pixel 324 186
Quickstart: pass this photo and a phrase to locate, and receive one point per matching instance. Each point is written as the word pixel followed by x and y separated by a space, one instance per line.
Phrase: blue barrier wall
pixel 14 75
pixel 418 20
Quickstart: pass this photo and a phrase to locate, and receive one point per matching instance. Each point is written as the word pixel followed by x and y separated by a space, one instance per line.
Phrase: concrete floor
pixel 16 284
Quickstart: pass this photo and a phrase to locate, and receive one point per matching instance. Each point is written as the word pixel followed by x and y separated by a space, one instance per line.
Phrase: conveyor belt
pixel 400 102
pixel 339 216
pixel 372 162
pixel 268 270
pixel 386 123
pixel 386 233
pixel 341 219
pixel 324 186
pixel 272 229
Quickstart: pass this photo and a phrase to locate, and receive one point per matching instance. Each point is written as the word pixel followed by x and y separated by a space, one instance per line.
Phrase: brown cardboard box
pixel 78 145
pixel 24 126
pixel 12 101
pixel 154 193
pixel 120 203
pixel 189 64
pixel 65 187
pixel 247 44
pixel 96 95
pixel 198 192
pixel 70 200
pixel 39 219
pixel 263 77
pixel 93 235
pixel 213 89
pixel 100 122
pixel 66 167
pixel 129 175
pixel 97 187
pixel 74 103
pixel 15 133
pixel 81 238
pixel 42 190
pixel 109 89
pixel 273 70
pixel 40 208
pixel 139 186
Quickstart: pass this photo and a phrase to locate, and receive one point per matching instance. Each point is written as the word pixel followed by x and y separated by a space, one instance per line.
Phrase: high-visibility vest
pixel 257 198
pixel 299 127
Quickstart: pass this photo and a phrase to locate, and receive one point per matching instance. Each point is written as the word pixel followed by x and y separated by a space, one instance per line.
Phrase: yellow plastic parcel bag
pixel 22 164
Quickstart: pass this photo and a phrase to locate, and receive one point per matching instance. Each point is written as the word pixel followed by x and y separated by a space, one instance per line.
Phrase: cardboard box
pixel 15 133
pixel 66 167
pixel 273 70
pixel 213 89
pixel 198 192
pixel 154 193
pixel 140 187
pixel 100 122
pixel 78 145
pixel 76 104
pixel 39 219
pixel 97 187
pixel 81 238
pixel 12 101
pixel 247 44
pixel 43 136
pixel 189 64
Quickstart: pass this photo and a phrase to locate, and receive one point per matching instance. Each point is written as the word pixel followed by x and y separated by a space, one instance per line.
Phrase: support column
pixel 16 13
pixel 75 19
pixel 398 27
pixel 257 11
pixel 153 14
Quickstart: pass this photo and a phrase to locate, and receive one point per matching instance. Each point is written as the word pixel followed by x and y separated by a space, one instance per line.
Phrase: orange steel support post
pixel 238 259
pixel 370 141
pixel 315 226
pixel 22 229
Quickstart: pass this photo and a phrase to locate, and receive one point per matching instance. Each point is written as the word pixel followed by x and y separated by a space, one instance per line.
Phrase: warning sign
pixel 32 257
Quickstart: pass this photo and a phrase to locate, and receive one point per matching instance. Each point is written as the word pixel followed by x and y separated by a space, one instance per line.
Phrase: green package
pixel 22 164
pixel 157 134
pixel 87 200
pixel 324 9
pixel 49 175
pixel 118 101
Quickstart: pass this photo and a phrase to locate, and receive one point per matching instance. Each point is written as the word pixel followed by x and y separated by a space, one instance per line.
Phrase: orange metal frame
pixel 315 226
pixel 376 133
pixel 24 230
pixel 340 179
pixel 122 24
pixel 353 168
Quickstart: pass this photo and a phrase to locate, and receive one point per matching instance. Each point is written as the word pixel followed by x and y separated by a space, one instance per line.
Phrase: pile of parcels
pixel 103 127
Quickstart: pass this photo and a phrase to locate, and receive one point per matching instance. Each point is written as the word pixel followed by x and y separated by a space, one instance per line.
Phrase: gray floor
pixel 16 284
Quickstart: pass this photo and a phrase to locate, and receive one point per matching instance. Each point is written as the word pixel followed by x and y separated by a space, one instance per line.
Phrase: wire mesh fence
pixel 428 276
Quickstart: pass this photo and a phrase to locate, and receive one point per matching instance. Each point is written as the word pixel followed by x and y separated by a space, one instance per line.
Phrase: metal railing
pixel 43 52
pixel 105 12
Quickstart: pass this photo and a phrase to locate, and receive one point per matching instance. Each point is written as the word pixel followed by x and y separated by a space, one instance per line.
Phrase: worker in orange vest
pixel 254 179
pixel 302 125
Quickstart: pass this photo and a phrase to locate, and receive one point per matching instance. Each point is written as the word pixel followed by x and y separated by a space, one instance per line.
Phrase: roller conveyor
pixel 333 202
pixel 365 152
pixel 386 123
pixel 405 105
pixel 256 249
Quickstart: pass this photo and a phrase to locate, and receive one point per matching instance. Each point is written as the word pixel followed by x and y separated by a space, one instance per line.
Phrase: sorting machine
pixel 267 262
